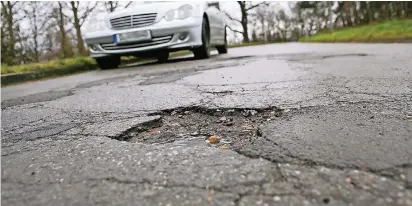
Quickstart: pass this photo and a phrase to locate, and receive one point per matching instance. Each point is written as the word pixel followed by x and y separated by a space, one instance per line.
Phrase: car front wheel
pixel 162 56
pixel 223 48
pixel 203 52
pixel 110 62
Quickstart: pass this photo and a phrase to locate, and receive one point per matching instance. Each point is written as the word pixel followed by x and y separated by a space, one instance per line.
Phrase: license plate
pixel 132 36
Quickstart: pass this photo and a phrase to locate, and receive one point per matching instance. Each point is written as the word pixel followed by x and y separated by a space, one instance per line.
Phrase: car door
pixel 215 22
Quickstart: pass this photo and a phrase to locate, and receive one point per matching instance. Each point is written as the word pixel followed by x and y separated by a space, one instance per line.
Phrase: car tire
pixel 162 57
pixel 223 48
pixel 110 62
pixel 203 52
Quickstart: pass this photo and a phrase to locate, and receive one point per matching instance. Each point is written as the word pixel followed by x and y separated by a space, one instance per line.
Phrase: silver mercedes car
pixel 153 29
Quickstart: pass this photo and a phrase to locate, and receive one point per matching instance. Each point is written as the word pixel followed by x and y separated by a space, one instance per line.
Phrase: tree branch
pixel 234 30
pixel 19 19
pixel 14 3
pixel 86 13
pixel 256 5
pixel 128 4
pixel 67 17
pixel 231 18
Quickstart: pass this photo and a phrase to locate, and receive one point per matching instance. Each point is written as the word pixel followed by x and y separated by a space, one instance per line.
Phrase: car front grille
pixel 153 42
pixel 133 21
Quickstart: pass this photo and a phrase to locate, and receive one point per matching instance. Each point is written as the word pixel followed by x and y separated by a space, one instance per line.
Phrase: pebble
pixel 222 119
pixel 223 147
pixel 187 112
pixel 276 198
pixel 214 139
pixel 253 112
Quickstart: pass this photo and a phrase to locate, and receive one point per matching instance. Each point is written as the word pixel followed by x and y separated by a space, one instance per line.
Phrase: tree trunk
pixel 4 48
pixel 402 9
pixel 244 21
pixel 263 29
pixel 63 38
pixel 80 43
pixel 330 17
pixel 35 34
pixel 356 16
pixel 112 8
pixel 10 30
pixel 369 10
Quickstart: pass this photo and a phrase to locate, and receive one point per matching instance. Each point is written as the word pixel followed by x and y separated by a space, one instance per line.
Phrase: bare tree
pixel 78 20
pixel 330 16
pixel 60 21
pixel 245 7
pixel 261 16
pixel 11 19
pixel 38 18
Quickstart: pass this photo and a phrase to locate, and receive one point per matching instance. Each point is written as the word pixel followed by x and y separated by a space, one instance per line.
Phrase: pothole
pixel 234 128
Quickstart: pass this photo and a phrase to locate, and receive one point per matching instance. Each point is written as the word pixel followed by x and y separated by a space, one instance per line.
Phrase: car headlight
pixel 95 24
pixel 183 12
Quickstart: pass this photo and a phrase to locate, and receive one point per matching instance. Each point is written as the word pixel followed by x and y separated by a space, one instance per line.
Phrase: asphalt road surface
pixel 299 124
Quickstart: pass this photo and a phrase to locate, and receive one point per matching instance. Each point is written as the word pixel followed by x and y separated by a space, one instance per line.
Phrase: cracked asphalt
pixel 306 124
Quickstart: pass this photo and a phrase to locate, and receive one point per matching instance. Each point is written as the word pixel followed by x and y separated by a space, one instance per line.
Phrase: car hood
pixel 153 7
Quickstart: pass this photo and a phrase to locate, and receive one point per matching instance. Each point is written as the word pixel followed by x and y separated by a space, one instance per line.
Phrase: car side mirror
pixel 213 4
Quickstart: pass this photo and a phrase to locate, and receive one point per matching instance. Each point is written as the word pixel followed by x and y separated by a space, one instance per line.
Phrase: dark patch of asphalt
pixel 298 128
pixel 33 98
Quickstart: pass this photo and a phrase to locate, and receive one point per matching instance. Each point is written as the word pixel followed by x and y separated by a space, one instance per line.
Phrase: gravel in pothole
pixel 235 128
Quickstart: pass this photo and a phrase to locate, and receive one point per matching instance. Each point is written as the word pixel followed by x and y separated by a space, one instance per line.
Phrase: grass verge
pixel 389 31
pixel 79 63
